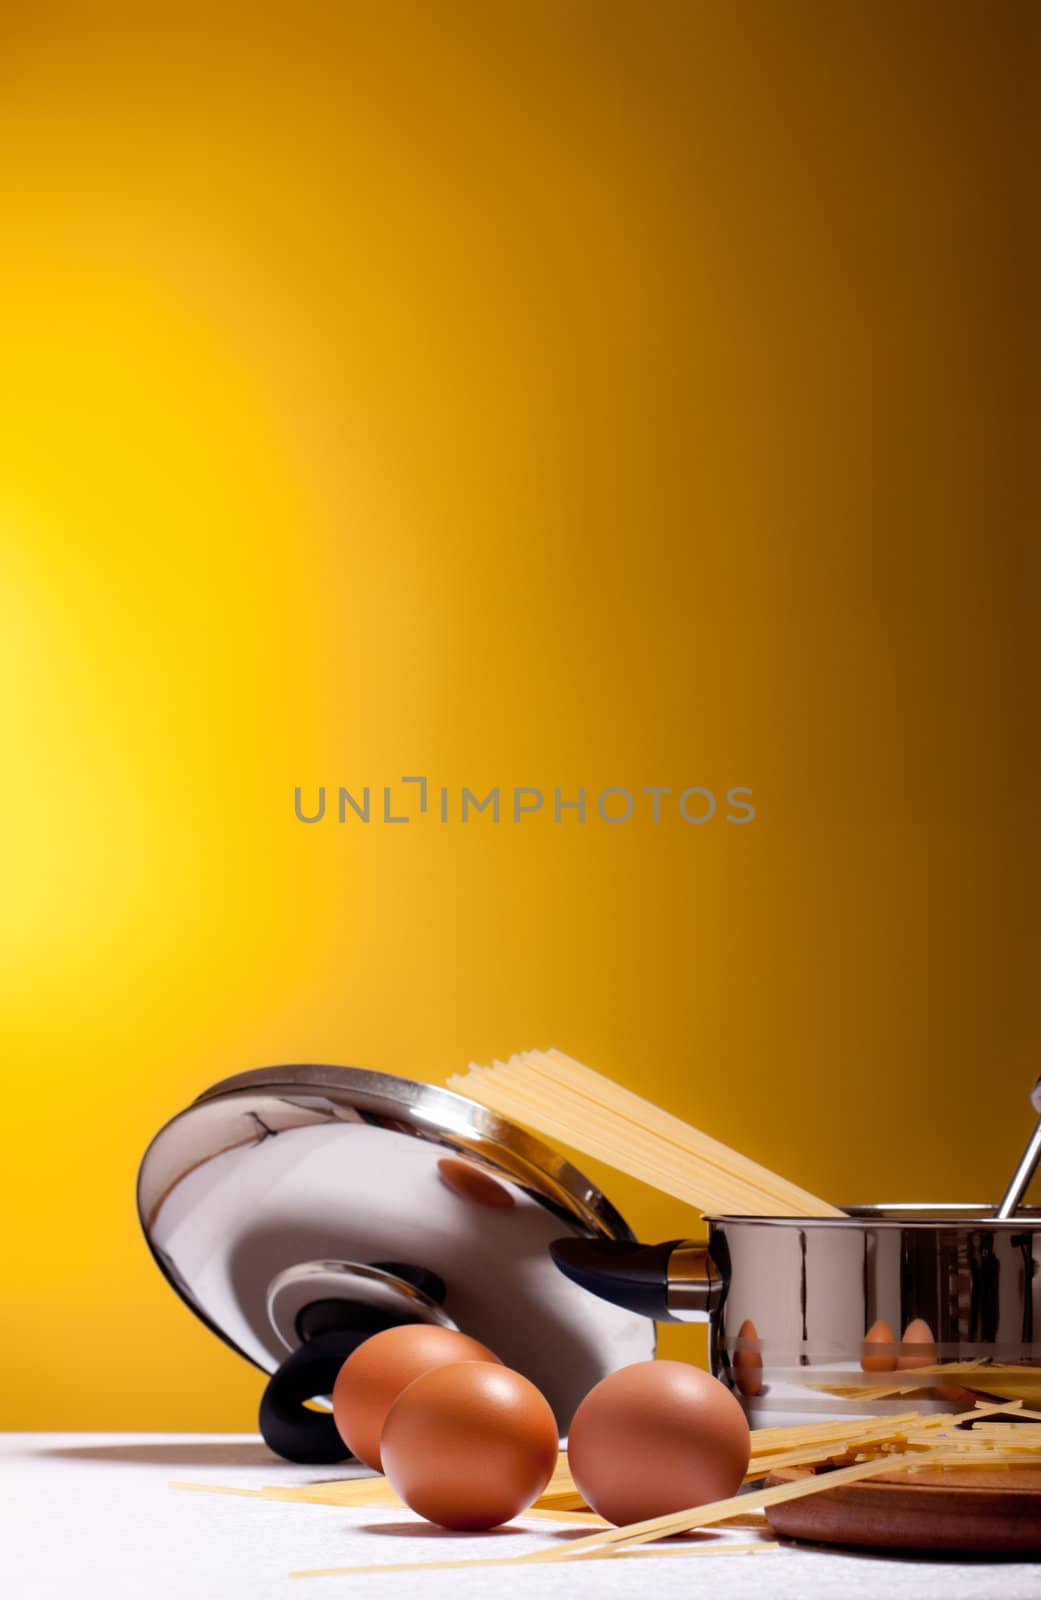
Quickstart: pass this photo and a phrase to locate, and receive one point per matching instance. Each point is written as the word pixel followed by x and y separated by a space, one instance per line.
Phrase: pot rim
pixel 909 1214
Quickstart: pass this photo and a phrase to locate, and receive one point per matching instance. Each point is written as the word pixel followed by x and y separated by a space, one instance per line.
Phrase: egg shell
pixel 917 1333
pixel 655 1437
pixel 884 1360
pixel 373 1376
pixel 469 1446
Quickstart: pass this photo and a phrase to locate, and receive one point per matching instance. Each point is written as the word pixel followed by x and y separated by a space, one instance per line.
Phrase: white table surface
pixel 87 1515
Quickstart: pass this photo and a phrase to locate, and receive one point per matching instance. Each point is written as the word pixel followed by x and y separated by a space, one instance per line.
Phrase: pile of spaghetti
pixel 562 1099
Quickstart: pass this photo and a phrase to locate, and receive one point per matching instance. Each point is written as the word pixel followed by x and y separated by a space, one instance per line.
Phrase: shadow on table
pixel 431 1532
pixel 167 1453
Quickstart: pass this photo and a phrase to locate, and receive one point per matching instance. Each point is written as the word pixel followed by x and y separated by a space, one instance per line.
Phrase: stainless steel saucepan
pixel 885 1307
pixel 790 1302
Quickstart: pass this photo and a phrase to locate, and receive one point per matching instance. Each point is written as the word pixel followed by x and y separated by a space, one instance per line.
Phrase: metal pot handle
pixel 677 1281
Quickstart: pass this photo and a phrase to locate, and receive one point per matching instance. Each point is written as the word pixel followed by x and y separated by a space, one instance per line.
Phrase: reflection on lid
pixel 472 1183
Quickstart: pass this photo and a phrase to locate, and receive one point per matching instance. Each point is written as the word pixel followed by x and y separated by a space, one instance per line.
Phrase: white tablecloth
pixel 88 1515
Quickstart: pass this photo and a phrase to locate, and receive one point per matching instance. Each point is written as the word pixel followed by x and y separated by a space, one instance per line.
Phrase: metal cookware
pixel 298 1209
pixel 789 1301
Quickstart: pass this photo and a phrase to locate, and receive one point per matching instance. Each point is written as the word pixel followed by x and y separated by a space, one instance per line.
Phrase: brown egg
pixel 373 1376
pixel 469 1446
pixel 880 1334
pixel 656 1437
pixel 747 1362
pixel 919 1334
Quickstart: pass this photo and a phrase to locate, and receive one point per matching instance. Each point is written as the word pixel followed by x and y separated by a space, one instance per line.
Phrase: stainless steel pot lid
pixel 280 1192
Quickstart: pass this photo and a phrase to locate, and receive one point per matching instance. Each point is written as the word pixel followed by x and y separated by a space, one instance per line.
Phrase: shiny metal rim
pixel 432 1112
pixel 915 1215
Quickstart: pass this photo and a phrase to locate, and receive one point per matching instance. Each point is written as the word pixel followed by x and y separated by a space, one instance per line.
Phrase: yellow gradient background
pixel 556 394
